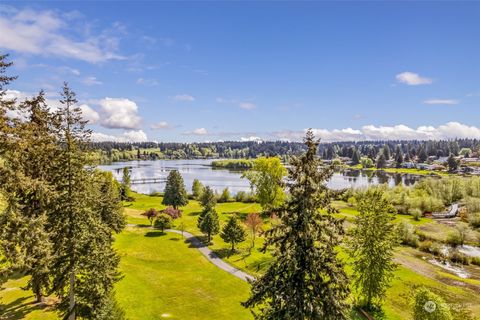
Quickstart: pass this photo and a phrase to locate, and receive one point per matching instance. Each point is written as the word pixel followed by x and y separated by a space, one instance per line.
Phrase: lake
pixel 219 179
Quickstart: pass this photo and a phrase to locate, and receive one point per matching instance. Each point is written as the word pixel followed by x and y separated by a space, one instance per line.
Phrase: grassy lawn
pixel 164 278
pixel 414 171
pixel 16 303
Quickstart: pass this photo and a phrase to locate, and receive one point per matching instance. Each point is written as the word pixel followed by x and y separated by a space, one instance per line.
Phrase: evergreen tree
pixel 305 280
pixel 233 232
pixel 28 159
pixel 386 152
pixel 84 268
pixel 381 161
pixel 197 189
pixel 452 163
pixel 422 155
pixel 398 156
pixel 210 224
pixel 355 157
pixel 175 194
pixel 372 247
pixel 126 183
pixel 208 201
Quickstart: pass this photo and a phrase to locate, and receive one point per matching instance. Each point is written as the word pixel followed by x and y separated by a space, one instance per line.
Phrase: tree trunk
pixel 71 307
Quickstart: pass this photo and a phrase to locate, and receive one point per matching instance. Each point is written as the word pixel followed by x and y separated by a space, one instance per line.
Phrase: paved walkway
pixel 209 254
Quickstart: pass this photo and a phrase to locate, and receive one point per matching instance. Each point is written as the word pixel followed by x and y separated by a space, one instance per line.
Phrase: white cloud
pixel 127 136
pixel 183 97
pixel 441 101
pixel 119 113
pixel 147 82
pixel 247 105
pixel 161 125
pixel 412 79
pixel 449 130
pixel 251 138
pixel 91 81
pixel 89 114
pixel 197 132
pixel 42 32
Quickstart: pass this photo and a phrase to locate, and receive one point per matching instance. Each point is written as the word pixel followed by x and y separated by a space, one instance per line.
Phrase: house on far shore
pixel 408 165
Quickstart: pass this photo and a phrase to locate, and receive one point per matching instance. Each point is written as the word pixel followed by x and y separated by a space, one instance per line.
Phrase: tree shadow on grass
pixel 143 226
pixel 174 239
pixel 224 252
pixel 197 242
pixel 196 213
pixel 19 308
pixel 153 234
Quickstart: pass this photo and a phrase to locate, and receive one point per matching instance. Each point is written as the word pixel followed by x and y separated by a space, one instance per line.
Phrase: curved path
pixel 209 254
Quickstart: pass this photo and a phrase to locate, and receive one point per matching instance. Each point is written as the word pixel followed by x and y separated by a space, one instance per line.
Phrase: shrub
pixel 425 246
pixel 173 213
pixel 475 261
pixel 406 233
pixel 474 219
pixel 458 257
pixel 416 214
pixel 429 306
pixel 454 239
pixel 436 249
pixel 163 221
pixel 352 201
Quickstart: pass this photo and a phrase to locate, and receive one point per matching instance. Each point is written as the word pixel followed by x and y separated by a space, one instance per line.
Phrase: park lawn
pixel 165 278
pixel 16 303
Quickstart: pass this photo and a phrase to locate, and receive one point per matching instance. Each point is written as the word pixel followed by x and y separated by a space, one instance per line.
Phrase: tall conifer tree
pixel 306 279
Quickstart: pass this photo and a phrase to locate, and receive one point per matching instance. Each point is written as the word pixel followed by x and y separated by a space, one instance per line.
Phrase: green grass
pixel 164 278
pixel 16 303
pixel 402 170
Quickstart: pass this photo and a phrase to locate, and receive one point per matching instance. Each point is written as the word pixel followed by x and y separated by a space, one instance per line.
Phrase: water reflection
pixel 219 178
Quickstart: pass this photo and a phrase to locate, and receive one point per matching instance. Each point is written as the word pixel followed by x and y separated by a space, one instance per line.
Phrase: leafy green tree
pixel 126 183
pixel 233 232
pixel 225 196
pixel 429 306
pixel 210 224
pixel 305 280
pixel 197 189
pixel 175 193
pixel 367 163
pixel 266 177
pixel 163 221
pixel 372 245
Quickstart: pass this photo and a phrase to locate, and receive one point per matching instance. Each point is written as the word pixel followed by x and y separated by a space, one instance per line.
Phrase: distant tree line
pixel 398 150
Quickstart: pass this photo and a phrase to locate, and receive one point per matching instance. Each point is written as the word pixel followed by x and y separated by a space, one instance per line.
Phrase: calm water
pixel 219 179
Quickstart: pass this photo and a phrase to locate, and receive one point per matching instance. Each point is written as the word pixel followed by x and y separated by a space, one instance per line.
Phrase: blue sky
pixel 207 71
